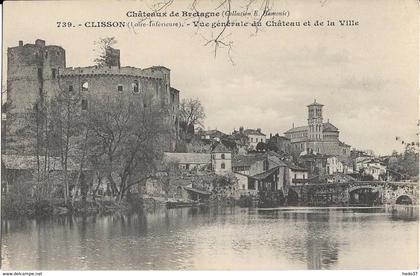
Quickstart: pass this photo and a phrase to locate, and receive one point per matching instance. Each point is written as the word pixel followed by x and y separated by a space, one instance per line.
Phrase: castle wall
pixel 325 147
pixel 37 72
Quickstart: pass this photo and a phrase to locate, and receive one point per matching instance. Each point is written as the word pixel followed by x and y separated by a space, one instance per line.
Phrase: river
pixel 217 238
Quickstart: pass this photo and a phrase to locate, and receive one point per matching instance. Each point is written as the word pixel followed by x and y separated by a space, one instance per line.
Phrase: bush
pixel 19 202
pixel 42 208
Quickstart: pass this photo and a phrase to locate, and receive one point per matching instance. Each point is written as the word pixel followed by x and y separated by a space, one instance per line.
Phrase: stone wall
pixel 37 72
pixel 338 194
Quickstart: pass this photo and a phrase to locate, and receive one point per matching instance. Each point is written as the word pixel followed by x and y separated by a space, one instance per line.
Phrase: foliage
pixel 67 125
pixel 20 201
pixel 223 186
pixel 261 146
pixel 191 114
pixel 406 163
pixel 272 146
pixel 124 142
pixel 101 47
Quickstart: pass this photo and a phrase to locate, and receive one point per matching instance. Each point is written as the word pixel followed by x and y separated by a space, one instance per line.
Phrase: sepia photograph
pixel 230 135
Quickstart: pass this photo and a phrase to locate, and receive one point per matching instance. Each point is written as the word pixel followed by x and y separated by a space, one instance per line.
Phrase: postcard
pixel 210 135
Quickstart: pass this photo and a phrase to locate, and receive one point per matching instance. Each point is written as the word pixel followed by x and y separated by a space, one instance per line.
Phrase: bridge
pixel 354 193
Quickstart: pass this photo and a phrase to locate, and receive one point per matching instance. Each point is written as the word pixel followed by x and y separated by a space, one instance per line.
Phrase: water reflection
pixel 216 238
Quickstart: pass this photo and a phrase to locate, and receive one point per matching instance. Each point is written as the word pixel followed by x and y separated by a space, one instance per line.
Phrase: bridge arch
pixel 365 195
pixel 404 200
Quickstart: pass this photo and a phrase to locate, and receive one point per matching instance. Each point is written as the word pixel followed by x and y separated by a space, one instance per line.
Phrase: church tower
pixel 315 121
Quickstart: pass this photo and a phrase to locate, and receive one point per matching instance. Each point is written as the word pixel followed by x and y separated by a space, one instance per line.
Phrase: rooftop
pixel 220 148
pixel 187 158
pixel 253 132
pixel 297 129
pixel 329 127
pixel 263 175
pixel 326 127
pixel 213 132
pixel 343 144
pixel 247 160
pixel 315 104
pixel 295 167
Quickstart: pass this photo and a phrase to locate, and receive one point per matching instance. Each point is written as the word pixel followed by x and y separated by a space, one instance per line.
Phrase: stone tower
pixel 315 121
pixel 32 74
pixel 32 80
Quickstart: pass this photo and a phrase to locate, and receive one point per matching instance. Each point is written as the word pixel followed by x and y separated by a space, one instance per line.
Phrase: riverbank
pixel 57 207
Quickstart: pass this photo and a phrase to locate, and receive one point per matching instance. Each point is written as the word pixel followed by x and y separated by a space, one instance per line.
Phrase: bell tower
pixel 315 121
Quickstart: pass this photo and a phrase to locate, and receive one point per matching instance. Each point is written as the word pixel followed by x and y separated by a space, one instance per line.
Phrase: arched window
pixel 223 156
pixel 85 86
pixel 222 166
pixel 135 86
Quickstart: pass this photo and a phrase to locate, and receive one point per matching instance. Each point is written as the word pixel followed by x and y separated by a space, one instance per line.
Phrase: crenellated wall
pixel 37 72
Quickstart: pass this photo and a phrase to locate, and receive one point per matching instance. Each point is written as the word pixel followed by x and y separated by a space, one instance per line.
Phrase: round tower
pixel 31 70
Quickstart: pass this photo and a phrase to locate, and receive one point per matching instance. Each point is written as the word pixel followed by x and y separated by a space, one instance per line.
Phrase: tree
pixel 224 186
pixel 220 38
pixel 101 47
pixel 168 170
pixel 191 114
pixel 125 142
pixel 406 163
pixel 272 146
pixel 261 146
pixel 67 127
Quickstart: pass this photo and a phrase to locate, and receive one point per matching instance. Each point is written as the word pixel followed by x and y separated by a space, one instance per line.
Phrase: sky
pixel 366 76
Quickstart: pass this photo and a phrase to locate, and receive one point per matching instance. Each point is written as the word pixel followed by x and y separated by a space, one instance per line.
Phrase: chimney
pixel 20 43
pixel 271 135
pixel 259 129
pixel 293 125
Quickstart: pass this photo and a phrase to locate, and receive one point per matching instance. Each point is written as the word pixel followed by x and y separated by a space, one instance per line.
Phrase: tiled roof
pixel 220 148
pixel 328 127
pixel 315 103
pixel 342 144
pixel 253 132
pixel 247 160
pixel 274 157
pixel 265 174
pixel 187 158
pixel 345 160
pixel 295 167
pixel 213 132
pixel 297 129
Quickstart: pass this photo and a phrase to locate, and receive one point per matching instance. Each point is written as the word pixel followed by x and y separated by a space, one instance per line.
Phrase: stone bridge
pixel 354 193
